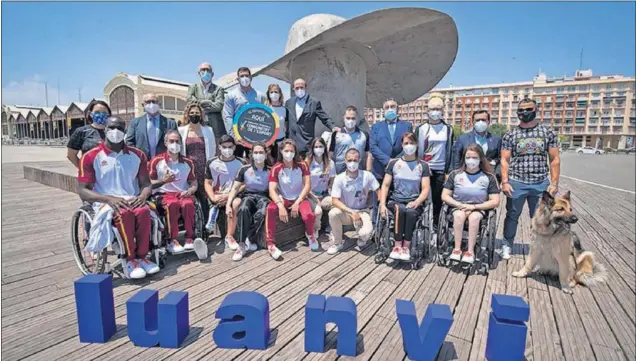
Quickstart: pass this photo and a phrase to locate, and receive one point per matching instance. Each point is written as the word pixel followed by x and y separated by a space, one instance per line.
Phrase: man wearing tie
pixel 386 141
pixel 146 132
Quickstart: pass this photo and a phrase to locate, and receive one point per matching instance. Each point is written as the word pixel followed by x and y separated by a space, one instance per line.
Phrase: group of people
pixel 351 176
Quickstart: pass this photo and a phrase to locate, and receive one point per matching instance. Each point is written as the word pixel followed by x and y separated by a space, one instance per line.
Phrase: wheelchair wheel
pixel 381 236
pixel 442 238
pixel 199 221
pixel 492 234
pixel 88 262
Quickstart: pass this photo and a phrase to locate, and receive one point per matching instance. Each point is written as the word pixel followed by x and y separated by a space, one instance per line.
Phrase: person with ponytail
pixel 470 190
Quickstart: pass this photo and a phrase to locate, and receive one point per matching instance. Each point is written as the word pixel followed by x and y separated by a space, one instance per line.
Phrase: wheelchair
pixel 199 224
pixel 97 263
pixel 484 247
pixel 422 246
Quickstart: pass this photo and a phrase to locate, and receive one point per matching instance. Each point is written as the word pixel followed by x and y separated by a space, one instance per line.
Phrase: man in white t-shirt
pixel 350 195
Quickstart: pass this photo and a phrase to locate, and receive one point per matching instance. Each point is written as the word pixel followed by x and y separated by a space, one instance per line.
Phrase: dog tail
pixel 588 271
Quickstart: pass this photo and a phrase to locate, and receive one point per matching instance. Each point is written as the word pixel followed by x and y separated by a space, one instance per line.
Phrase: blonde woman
pixel 323 171
pixel 276 101
pixel 199 145
pixel 435 147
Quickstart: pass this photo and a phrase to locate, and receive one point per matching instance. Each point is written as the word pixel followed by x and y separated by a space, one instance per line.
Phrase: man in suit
pixel 211 97
pixel 386 138
pixel 491 144
pixel 147 131
pixel 303 111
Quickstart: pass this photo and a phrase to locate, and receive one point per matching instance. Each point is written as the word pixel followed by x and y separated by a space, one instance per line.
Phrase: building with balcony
pixel 584 109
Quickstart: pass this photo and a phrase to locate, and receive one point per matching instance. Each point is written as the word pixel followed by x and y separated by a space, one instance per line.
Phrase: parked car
pixel 590 150
pixel 630 150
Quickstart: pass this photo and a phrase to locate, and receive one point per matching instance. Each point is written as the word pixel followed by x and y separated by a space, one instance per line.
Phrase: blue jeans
pixel 521 192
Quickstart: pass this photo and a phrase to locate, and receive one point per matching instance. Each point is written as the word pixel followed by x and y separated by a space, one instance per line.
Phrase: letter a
pixel 244 321
pixel 422 343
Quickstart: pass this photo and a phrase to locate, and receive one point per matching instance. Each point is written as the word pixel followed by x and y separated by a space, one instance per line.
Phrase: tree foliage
pixel 498 129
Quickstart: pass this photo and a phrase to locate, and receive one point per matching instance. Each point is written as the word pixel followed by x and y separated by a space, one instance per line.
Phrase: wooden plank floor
pixel 38 270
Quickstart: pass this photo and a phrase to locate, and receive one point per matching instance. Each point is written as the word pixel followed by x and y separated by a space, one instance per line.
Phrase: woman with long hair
pixel 276 101
pixel 88 136
pixel 199 146
pixel 252 184
pixel 409 179
pixel 289 187
pixel 323 171
pixel 470 190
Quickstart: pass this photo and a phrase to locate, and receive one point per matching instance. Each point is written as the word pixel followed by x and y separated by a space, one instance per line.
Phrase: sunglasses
pixel 205 70
pixel 347 118
pixel 521 110
pixel 150 102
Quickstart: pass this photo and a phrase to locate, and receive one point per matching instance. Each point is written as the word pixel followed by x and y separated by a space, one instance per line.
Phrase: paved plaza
pixel 38 271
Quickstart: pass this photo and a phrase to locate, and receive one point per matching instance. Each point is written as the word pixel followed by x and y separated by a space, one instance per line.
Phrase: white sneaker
pixel 251 247
pixel 133 270
pixel 148 267
pixel 201 249
pixel 456 255
pixel 231 243
pixel 274 251
pixel 505 252
pixel 175 247
pixel 335 248
pixel 468 258
pixel 395 253
pixel 313 243
pixel 238 254
pixel 188 245
pixel 406 254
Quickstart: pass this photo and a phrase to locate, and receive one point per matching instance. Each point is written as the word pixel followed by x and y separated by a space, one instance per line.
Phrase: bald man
pixel 147 131
pixel 211 97
pixel 303 111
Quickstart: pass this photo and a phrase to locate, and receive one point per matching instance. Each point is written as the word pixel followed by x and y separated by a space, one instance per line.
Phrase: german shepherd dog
pixel 556 249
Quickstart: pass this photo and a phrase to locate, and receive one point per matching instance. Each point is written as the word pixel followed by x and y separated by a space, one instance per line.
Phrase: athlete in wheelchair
pixel 404 224
pixel 470 196
pixel 174 185
pixel 113 180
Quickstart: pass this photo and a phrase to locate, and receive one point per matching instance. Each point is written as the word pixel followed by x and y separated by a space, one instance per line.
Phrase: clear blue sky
pixel 85 44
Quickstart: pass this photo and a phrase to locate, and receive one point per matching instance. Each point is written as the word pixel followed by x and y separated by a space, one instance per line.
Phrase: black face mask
pixel 527 116
pixel 195 119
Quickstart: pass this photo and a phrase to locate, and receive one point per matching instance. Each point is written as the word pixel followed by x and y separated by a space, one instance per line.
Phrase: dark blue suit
pixel 493 153
pixel 382 148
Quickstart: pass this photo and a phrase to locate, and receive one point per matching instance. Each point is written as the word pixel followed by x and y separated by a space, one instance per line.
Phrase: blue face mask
pixel 99 117
pixel 206 76
pixel 390 115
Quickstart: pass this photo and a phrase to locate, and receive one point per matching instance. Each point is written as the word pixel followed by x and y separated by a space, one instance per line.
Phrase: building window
pixel 582 88
pixel 572 89
pixel 122 102
pixel 596 88
pixel 580 114
pixel 608 87
pixel 560 90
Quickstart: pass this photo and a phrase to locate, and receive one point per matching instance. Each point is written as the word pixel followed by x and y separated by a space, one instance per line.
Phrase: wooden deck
pixel 38 270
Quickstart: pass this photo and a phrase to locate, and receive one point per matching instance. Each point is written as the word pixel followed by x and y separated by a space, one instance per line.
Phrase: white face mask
pixel 288 155
pixel 259 158
pixel 350 124
pixel 352 166
pixel 152 108
pixel 410 149
pixel 115 136
pixel 480 126
pixel 245 81
pixel 274 96
pixel 174 148
pixel 300 93
pixel 319 151
pixel 435 114
pixel 472 163
pixel 227 152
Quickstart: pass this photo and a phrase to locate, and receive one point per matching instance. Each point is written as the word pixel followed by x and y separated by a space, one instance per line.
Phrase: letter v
pixel 422 342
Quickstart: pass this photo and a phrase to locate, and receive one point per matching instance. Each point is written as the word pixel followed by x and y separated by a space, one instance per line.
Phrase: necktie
pixel 392 131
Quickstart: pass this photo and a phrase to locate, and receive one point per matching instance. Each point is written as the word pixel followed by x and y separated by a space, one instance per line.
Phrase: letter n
pixel 244 321
pixel 152 322
pixel 95 308
pixel 339 310
pixel 422 342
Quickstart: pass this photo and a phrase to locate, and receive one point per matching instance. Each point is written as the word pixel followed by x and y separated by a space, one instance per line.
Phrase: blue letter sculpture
pixel 244 321
pixel 339 310
pixel 147 327
pixel 422 343
pixel 506 328
pixel 95 307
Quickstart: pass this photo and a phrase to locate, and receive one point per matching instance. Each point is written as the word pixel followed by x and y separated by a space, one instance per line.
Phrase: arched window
pixel 122 102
